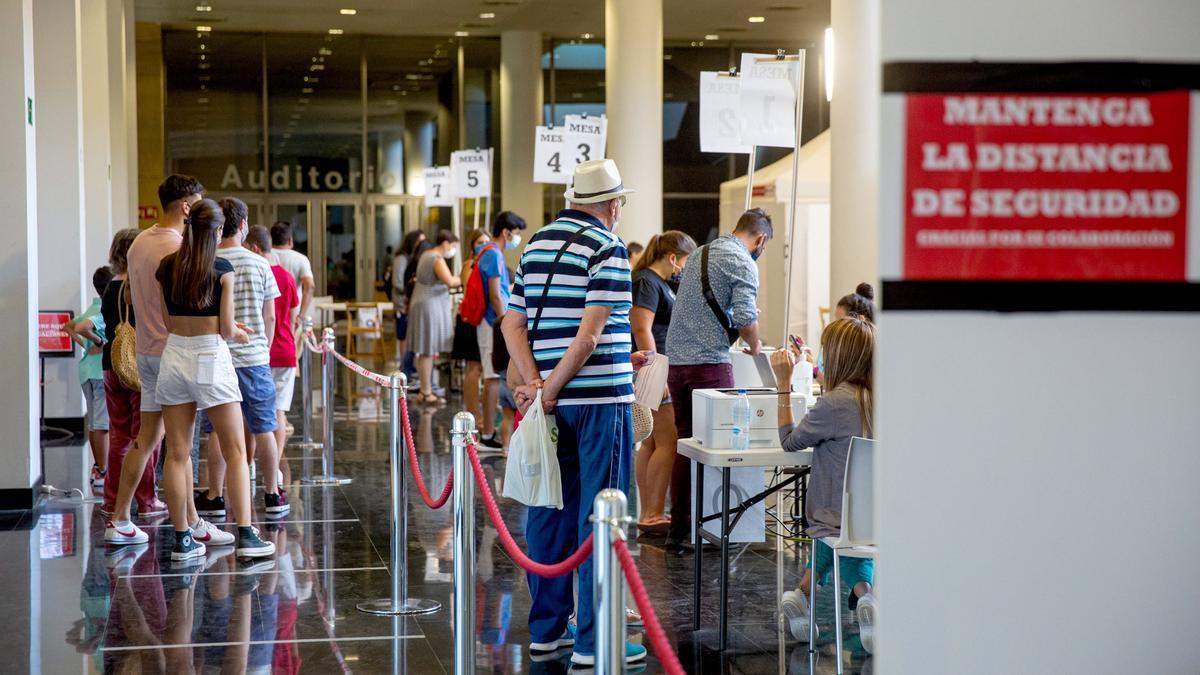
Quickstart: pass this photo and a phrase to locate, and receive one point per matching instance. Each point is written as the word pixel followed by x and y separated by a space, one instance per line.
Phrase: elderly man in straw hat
pixel 570 337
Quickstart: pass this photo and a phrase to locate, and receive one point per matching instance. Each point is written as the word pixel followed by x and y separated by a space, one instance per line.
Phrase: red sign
pixel 52 339
pixel 1046 186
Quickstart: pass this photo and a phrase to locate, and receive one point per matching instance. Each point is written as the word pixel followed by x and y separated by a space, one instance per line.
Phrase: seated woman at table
pixel 844 411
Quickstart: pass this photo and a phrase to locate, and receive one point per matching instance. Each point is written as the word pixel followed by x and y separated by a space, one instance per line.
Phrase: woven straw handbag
pixel 124 347
pixel 643 423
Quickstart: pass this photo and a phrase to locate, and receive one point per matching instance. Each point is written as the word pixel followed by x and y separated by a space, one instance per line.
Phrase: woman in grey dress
pixel 430 322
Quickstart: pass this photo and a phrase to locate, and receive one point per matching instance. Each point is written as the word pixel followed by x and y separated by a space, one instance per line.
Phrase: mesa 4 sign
pixel 1047 186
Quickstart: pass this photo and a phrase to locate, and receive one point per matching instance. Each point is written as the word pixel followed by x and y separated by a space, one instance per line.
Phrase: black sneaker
pixel 250 545
pixel 277 503
pixel 210 508
pixel 491 442
pixel 187 548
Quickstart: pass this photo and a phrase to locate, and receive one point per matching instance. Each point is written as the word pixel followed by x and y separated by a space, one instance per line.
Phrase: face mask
pixel 451 254
pixel 757 253
pixel 676 274
pixel 513 242
pixel 821 362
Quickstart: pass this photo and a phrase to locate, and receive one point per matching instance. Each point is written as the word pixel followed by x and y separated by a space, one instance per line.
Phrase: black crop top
pixel 165 275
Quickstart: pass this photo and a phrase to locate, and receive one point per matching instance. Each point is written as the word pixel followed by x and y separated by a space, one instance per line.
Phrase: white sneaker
pixel 129 534
pixel 210 535
pixel 795 610
pixel 867 611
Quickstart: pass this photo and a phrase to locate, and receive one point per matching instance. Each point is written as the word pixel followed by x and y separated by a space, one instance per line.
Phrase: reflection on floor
pixel 75 607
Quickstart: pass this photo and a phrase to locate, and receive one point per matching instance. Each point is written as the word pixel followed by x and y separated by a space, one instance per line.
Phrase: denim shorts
pixel 97 407
pixel 506 397
pixel 258 398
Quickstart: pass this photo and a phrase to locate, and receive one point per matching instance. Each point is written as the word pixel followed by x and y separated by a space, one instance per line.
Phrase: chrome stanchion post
pixel 306 440
pixel 608 582
pixel 329 364
pixel 464 546
pixel 399 603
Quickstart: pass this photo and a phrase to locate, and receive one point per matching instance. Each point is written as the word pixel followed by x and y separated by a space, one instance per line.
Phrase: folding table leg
pixel 697 510
pixel 723 622
pixel 837 609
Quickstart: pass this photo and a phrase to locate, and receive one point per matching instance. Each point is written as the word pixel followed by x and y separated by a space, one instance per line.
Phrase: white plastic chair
pixel 856 538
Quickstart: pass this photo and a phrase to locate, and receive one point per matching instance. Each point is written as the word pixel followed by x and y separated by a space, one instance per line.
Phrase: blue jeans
pixel 258 398
pixel 595 451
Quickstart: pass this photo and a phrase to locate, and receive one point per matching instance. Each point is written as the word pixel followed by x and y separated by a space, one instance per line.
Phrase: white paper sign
pixel 437 186
pixel 720 105
pixel 550 164
pixel 768 99
pixel 584 139
pixel 470 173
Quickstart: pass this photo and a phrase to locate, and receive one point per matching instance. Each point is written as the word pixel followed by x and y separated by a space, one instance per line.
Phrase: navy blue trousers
pixel 595 451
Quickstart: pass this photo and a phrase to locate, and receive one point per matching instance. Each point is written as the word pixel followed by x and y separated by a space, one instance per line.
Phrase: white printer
pixel 712 416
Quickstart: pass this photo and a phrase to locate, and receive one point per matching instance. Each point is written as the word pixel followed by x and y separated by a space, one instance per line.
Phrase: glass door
pixel 390 219
pixel 342 257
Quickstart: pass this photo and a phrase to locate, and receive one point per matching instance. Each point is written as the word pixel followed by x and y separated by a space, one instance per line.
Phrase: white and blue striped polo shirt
pixel 594 271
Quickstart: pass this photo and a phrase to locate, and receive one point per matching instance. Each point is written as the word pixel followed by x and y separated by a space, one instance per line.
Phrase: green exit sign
pixel 29 109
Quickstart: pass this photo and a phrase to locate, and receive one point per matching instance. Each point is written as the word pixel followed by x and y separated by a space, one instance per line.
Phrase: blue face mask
pixel 757 253
pixel 821 362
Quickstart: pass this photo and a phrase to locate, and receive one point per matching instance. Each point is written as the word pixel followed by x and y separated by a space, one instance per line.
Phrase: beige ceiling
pixel 788 22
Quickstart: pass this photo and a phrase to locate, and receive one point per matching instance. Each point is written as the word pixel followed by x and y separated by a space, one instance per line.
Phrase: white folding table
pixel 726 461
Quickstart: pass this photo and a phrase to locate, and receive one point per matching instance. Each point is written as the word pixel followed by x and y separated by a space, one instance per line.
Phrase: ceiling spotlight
pixel 336 31
pixel 203 29
pixel 324 51
pixel 204 66
pixel 404 93
pixel 203 57
pixel 203 46
pixel 204 7
pixel 306 90
pixel 317 66
pixel 757 19
pixel 586 36
pixel 461 33
pixel 348 11
pixel 487 15
pixel 202 99
pixel 712 36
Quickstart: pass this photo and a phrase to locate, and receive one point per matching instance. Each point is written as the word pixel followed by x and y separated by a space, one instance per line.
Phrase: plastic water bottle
pixel 741 421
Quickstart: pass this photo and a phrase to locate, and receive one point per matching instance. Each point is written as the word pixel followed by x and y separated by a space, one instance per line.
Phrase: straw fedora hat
pixel 595 181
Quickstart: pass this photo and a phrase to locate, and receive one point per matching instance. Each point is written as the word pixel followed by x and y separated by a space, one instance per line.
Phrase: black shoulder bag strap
pixel 537 317
pixel 711 299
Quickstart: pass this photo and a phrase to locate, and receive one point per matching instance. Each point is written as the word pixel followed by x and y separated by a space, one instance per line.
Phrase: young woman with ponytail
pixel 197 374
pixel 655 280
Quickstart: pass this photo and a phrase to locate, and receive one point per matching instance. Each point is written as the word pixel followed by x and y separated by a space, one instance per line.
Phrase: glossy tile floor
pixel 75 607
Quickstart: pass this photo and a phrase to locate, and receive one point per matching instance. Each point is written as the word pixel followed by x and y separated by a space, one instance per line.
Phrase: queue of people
pixel 195 323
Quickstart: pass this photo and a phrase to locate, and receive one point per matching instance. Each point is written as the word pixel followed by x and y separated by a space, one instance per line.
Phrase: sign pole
pixel 750 176
pixel 789 245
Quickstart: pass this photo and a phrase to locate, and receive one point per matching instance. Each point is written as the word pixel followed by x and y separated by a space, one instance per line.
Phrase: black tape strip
pixel 1065 77
pixel 1041 296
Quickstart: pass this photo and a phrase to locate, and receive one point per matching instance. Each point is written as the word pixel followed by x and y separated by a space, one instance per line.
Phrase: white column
pixel 633 43
pixel 64 280
pixel 854 145
pixel 20 456
pixel 520 112
pixel 123 214
pixel 97 196
pixel 131 125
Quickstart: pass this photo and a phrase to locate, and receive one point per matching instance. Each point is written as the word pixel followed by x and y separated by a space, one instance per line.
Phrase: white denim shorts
pixel 197 369
pixel 285 386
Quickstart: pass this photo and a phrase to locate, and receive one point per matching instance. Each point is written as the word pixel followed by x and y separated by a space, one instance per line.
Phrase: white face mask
pixel 451 254
pixel 513 241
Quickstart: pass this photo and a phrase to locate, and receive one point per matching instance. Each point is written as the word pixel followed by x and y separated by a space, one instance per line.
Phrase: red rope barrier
pixel 658 637
pixel 416 467
pixel 570 564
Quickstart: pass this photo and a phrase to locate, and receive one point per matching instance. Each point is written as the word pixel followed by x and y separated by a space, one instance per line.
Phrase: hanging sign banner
pixel 1050 187
pixel 767 96
pixel 549 163
pixel 437 186
pixel 470 173
pixel 584 139
pixel 720 105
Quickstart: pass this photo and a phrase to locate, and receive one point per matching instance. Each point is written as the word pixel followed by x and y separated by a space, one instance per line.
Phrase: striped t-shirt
pixel 253 285
pixel 594 271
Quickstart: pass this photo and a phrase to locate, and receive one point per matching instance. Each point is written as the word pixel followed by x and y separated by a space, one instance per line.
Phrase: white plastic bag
pixel 651 382
pixel 532 476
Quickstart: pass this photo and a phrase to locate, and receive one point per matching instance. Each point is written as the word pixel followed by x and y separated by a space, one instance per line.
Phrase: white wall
pixel 1037 503
pixel 20 454
pixel 64 281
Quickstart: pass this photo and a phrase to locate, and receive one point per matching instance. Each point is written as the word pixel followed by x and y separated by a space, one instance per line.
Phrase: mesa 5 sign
pixel 1075 186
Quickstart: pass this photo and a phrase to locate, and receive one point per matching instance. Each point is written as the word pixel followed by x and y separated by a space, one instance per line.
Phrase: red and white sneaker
pixel 98 476
pixel 152 510
pixel 210 535
pixel 129 534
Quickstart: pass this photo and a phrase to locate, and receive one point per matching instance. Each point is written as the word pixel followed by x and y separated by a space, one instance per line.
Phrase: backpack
pixel 475 297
